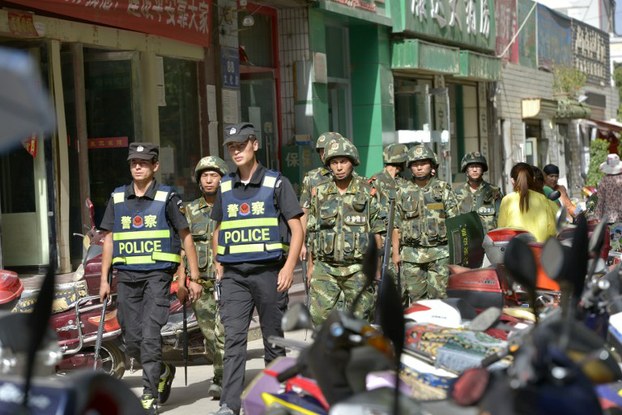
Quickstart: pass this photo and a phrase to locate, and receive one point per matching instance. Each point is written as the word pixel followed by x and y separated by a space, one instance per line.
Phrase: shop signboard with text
pixel 591 52
pixel 184 20
pixel 469 23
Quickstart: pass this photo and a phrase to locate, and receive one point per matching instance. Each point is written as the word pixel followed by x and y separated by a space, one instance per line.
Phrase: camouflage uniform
pixel 387 185
pixel 420 217
pixel 485 200
pixel 383 181
pixel 342 223
pixel 314 178
pixel 206 307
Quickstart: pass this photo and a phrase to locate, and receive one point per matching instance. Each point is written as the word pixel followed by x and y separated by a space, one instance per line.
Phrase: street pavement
pixel 193 399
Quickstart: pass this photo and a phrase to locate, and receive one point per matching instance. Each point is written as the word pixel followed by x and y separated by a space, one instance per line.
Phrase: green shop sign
pixel 463 22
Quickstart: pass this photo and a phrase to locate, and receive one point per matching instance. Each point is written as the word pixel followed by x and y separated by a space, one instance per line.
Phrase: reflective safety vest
pixel 143 240
pixel 249 230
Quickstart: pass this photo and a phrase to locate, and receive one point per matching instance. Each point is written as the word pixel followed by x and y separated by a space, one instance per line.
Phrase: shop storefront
pixel 443 67
pixel 351 84
pixel 110 86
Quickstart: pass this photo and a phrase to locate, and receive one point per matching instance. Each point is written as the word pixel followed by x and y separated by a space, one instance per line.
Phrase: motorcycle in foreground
pixel 77 314
pixel 331 374
pixel 557 365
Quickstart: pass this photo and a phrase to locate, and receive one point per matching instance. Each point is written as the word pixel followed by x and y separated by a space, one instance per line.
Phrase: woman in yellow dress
pixel 525 208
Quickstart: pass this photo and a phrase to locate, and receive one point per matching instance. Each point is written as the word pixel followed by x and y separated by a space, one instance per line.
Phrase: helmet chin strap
pixel 424 178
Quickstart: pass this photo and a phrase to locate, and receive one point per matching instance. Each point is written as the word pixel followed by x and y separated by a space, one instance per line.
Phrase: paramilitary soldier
pixel 208 172
pixel 387 181
pixel 144 224
pixel 420 237
pixel 312 179
pixel 343 213
pixel 477 195
pixel 394 157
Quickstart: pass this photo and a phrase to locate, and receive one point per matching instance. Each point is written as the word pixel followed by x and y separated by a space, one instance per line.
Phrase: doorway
pixel 112 120
pixel 258 93
pixel 24 203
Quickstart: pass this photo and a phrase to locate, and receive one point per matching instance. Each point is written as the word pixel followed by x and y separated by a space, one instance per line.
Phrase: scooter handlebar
pixel 290 372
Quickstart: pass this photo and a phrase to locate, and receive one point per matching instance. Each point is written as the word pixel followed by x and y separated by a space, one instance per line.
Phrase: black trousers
pixel 143 308
pixel 241 293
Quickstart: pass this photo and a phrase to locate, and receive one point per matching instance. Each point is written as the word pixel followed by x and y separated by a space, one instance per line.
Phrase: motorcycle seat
pixel 65 297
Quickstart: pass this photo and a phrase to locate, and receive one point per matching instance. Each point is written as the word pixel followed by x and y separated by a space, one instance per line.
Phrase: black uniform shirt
pixel 174 215
pixel 285 197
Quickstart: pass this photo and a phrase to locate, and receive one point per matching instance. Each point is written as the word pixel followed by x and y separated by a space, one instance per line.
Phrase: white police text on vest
pixel 139 247
pixel 247 235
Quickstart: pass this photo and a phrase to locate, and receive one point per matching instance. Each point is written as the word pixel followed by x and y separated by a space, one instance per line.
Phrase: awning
pixel 607 125
pixel 479 67
pixel 419 55
pixel 542 108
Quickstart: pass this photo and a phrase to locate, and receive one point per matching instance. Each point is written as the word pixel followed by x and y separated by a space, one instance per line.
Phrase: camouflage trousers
pixel 394 273
pixel 424 280
pixel 208 318
pixel 335 287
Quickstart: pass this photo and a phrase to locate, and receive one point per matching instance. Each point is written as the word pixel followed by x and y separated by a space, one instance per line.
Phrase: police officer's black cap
pixel 143 151
pixel 238 133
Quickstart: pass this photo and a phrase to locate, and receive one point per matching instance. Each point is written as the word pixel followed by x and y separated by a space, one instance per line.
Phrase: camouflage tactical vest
pixel 423 211
pixel 486 201
pixel 202 228
pixel 342 222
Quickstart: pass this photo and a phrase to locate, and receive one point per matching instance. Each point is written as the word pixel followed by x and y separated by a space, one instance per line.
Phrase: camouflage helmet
pixel 341 147
pixel 325 138
pixel 474 157
pixel 395 154
pixel 421 152
pixel 210 163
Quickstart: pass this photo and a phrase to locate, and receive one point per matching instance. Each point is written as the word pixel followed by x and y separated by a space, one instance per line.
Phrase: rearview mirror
pixel 296 317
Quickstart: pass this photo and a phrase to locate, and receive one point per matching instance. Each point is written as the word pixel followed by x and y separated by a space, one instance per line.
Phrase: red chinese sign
pixel 21 24
pixel 184 20
pixel 107 142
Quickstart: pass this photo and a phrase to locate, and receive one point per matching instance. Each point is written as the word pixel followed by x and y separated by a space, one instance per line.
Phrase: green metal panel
pixel 466 23
pixel 417 54
pixel 371 160
pixel 479 67
pixel 372 108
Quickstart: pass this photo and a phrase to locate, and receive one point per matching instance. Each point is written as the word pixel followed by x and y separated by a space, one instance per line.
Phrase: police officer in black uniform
pixel 145 227
pixel 256 242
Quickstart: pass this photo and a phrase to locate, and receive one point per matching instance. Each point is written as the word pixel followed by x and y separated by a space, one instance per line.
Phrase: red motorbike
pixel 77 313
